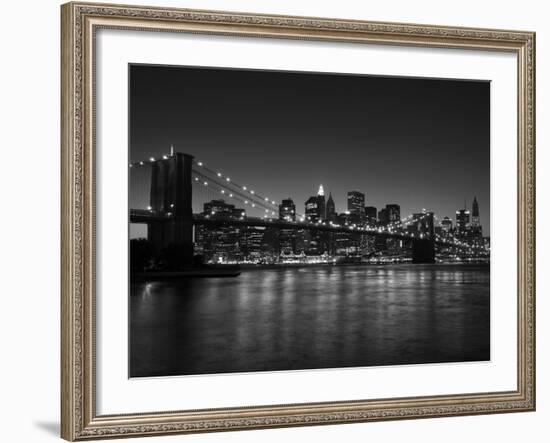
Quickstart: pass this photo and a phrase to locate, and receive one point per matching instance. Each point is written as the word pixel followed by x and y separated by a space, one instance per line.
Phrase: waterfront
pixel 310 317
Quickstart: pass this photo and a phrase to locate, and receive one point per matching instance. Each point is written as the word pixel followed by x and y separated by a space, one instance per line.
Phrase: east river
pixel 310 317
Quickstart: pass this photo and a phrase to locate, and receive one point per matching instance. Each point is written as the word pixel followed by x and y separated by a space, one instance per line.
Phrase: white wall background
pixel 29 218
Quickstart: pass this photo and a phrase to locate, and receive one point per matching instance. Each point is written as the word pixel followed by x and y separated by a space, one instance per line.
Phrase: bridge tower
pixel 171 196
pixel 423 249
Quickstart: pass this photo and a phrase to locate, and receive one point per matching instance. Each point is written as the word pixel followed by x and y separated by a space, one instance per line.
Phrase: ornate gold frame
pixel 79 420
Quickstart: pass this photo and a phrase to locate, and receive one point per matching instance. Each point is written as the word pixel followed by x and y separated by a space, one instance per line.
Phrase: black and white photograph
pixel 283 221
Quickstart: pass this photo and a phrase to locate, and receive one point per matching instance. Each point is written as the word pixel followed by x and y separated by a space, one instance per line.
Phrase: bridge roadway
pixel 144 216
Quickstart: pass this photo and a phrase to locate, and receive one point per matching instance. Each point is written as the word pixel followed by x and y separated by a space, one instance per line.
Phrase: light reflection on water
pixel 304 318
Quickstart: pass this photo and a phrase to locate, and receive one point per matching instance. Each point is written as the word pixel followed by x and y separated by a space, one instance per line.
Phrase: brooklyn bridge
pixel 177 183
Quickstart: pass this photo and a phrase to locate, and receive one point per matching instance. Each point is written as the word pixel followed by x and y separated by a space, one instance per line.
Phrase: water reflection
pixel 323 317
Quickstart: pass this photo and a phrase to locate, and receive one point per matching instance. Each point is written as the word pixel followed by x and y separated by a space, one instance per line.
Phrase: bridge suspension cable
pixel 229 182
pixel 246 194
pixel 206 181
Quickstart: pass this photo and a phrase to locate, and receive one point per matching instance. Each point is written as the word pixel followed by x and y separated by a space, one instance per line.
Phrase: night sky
pixel 420 143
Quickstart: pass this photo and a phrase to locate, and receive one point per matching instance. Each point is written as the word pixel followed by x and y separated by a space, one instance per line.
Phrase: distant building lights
pixel 199 163
pixel 152 159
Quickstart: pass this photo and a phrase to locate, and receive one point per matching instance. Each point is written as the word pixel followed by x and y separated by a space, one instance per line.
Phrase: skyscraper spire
pixel 321 191
pixel 476 223
pixel 171 150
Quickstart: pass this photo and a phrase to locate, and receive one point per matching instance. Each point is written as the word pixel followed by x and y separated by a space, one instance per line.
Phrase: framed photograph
pixel 282 221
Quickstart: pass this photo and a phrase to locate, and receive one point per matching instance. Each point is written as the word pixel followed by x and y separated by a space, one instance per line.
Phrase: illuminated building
pixel 446 225
pixel 462 222
pixel 219 244
pixel 287 237
pixel 356 206
pixel 383 217
pixel 371 215
pixel 287 210
pixel 476 225
pixel 315 207
pixel 394 213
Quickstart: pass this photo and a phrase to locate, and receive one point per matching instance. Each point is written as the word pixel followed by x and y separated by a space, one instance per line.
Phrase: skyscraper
pixel 356 206
pixel 287 237
pixel 321 199
pixel 462 222
pixel 475 212
pixel 287 210
pixel 476 225
pixel 371 215
pixel 330 209
pixel 383 217
pixel 394 213
pixel 315 207
pixel 446 224
pixel 219 243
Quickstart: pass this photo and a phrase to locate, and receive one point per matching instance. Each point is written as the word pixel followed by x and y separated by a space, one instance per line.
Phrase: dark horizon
pixel 420 143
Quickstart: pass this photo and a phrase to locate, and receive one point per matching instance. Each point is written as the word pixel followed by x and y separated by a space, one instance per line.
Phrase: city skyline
pixel 273 209
pixel 184 101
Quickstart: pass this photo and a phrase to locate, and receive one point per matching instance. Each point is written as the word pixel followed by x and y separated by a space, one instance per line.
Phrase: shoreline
pixel 247 267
